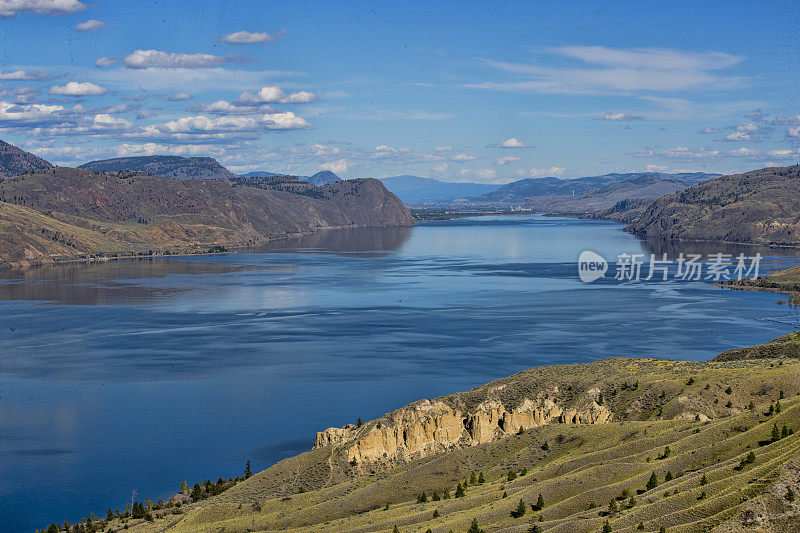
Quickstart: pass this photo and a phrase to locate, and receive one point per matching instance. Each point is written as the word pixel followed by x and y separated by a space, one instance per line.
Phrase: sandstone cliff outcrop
pixel 429 427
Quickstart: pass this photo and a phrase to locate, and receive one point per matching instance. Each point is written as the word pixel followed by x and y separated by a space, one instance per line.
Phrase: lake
pixel 135 375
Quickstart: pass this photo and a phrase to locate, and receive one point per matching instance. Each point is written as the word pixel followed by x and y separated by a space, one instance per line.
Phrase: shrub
pixel 728 390
pixel 789 495
pixel 690 382
pixel 511 476
pixel 436 513
pixel 481 479
pixel 703 480
pixel 668 477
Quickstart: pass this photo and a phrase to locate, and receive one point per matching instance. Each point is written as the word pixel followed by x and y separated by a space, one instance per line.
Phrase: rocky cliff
pixel 429 427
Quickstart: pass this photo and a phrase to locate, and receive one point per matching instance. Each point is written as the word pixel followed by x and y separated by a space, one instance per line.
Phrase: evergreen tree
pixel 778 407
pixel 511 475
pixel 436 513
pixel 540 502
pixel 435 496
pixel 109 516
pixel 482 480
pixel 789 495
pixel 607 527
pixel 534 529
pixel 612 507
pixel 395 530
pixel 460 491
pixel 652 482
pixel 703 480
pixel 446 494
pixel 668 477
pixel 776 434
pixel 519 512
pixel 247 471
pixel 359 422
pixel 473 479
pixel 474 528
pixel 784 432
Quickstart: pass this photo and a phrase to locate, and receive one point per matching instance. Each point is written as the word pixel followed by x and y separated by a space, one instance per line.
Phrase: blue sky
pixel 459 91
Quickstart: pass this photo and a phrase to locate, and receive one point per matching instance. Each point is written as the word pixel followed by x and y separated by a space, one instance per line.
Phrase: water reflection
pixel 371 242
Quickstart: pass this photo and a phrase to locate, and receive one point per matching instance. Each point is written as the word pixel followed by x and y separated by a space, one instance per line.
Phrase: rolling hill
pixel 66 213
pixel 638 444
pixel 166 166
pixel 762 206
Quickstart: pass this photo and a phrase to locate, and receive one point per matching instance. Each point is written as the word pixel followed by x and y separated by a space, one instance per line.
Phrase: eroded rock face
pixel 428 427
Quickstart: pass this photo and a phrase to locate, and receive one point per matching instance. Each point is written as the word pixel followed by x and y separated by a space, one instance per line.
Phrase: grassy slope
pixel 583 464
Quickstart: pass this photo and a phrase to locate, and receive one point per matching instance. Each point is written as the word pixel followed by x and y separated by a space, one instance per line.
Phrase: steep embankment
pixel 762 206
pixel 675 445
pixel 64 213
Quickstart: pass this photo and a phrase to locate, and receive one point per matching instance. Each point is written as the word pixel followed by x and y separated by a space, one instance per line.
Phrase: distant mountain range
pixel 166 166
pixel 415 190
pixel 14 161
pixel 520 192
pixel 319 179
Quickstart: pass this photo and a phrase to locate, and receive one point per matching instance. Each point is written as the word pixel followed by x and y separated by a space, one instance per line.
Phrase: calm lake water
pixel 139 374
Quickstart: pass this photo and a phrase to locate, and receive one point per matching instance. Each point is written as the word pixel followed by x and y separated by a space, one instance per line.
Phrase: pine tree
pixel 482 480
pixel 473 479
pixel 395 530
pixel 668 477
pixel 436 513
pixel 511 476
pixel 474 528
pixel 703 480
pixel 612 506
pixel 776 434
pixel 435 496
pixel 540 502
pixel 789 495
pixel 247 470
pixel 652 482
pixel 607 527
pixel 460 491
pixel 446 494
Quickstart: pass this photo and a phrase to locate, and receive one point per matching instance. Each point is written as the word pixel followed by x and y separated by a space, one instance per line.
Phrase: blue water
pixel 139 374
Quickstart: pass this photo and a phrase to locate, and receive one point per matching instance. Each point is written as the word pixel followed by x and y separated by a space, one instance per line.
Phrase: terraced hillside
pixel 688 447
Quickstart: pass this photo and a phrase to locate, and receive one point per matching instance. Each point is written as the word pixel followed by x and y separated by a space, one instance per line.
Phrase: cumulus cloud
pixel 222 128
pixel 143 59
pixel 618 70
pixel 336 167
pixel 622 116
pixel 245 37
pixel 444 148
pixel 275 95
pixel 709 131
pixel 506 160
pixel 91 25
pixel 442 167
pixel 794 132
pixel 738 136
pixel 541 172
pixel 790 120
pixel 680 153
pixel 75 88
pixel 512 143
pixel 10 8
pixel 463 157
pixel 106 61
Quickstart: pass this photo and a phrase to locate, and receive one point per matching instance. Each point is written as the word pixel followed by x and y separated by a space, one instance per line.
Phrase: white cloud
pixel 91 25
pixel 680 153
pixel 221 128
pixel 383 114
pixel 618 70
pixel 479 173
pixel 512 143
pixel 463 157
pixel 23 75
pixel 738 136
pixel 245 37
pixel 337 167
pixel 541 172
pixel 75 88
pixel 273 95
pixel 506 160
pixel 656 168
pixel 441 167
pixel 743 152
pixel 709 131
pixel 223 107
pixel 748 127
pixel 179 97
pixel 10 8
pixel 106 61
pixel 622 116
pixel 285 120
pixel 143 59
pixel 790 120
pixel 444 148
pixel 794 132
